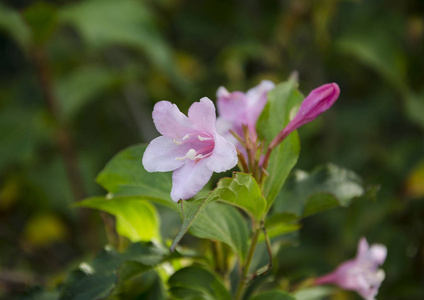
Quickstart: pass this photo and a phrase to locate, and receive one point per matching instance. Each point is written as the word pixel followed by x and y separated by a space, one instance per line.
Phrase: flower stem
pixel 245 269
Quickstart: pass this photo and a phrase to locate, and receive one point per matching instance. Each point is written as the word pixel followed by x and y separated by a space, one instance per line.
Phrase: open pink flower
pixel 189 146
pixel 362 273
pixel 236 109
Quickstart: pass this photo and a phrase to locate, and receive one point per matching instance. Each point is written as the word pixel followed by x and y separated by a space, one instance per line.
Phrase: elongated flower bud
pixel 317 102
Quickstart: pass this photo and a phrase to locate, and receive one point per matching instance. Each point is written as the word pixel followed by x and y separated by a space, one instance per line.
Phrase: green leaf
pixel 197 283
pixel 279 224
pixel 136 219
pixel 326 187
pixel 281 162
pixel 124 175
pixel 378 51
pixel 14 25
pixel 77 88
pixel 314 293
pixel 108 22
pixel 241 191
pixel 42 19
pixel 273 295
pixel 224 223
pixel 98 278
pixel 415 108
pixel 283 100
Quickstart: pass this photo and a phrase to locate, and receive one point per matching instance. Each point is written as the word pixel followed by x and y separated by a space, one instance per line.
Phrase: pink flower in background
pixel 317 102
pixel 236 109
pixel 362 273
pixel 189 146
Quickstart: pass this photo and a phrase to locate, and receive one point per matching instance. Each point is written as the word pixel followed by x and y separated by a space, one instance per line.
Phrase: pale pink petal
pixel 362 248
pixel 258 94
pixel 160 155
pixel 378 253
pixel 188 180
pixel 224 156
pixel 223 128
pixel 203 115
pixel 169 121
pixel 232 106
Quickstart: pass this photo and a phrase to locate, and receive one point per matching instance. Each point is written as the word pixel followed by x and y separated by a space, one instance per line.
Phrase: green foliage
pixel 102 23
pixel 76 89
pixel 273 295
pixel 221 222
pixel 282 100
pixel 314 293
pixel 197 283
pixel 136 219
pixel 241 191
pixel 326 187
pixel 124 175
pixel 42 19
pixel 98 278
pixel 12 22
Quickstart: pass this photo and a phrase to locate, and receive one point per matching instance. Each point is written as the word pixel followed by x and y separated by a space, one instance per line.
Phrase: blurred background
pixel 78 81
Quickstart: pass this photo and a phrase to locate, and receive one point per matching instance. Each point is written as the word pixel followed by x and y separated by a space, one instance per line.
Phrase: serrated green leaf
pixel 241 191
pixel 273 295
pixel 96 279
pixel 197 283
pixel 224 223
pixel 124 175
pixel 326 187
pixel 13 23
pixel 282 101
pixel 136 219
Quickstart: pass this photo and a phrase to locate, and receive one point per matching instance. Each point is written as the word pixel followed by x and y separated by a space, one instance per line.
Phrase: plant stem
pixel 245 269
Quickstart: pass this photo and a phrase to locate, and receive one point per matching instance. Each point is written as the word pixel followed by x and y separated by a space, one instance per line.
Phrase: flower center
pixel 199 145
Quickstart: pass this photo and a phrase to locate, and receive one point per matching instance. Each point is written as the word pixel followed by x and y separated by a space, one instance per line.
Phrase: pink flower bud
pixel 317 102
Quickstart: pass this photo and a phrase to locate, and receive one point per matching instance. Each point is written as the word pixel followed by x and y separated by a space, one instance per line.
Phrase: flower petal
pixel 224 155
pixel 258 94
pixel 362 248
pixel 188 180
pixel 378 253
pixel 169 121
pixel 203 115
pixel 160 155
pixel 232 106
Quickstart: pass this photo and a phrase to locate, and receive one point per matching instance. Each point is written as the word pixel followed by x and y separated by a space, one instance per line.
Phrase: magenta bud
pixel 317 102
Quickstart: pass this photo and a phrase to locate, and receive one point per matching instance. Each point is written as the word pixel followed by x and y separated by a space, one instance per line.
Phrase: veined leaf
pixel 324 188
pixel 282 101
pixel 124 175
pixel 197 283
pixel 136 219
pixel 222 222
pixel 96 279
pixel 241 191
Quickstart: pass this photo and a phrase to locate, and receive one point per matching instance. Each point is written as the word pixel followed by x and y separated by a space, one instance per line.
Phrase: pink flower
pixel 189 146
pixel 317 102
pixel 236 109
pixel 360 274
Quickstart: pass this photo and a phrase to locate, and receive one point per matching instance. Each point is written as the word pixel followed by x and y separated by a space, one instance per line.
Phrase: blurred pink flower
pixel 317 102
pixel 362 273
pixel 189 146
pixel 236 109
